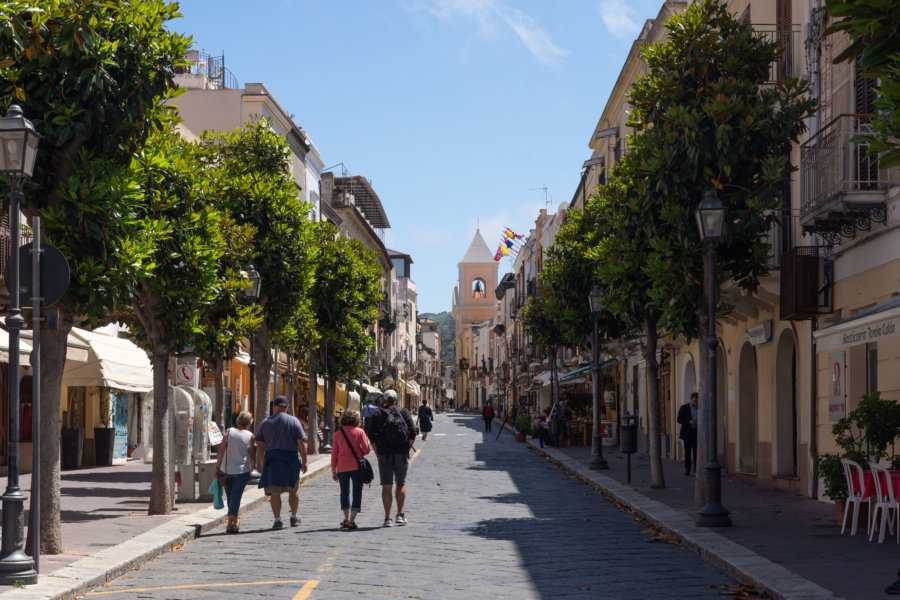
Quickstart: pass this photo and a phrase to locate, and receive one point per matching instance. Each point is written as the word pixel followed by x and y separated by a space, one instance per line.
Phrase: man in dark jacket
pixel 392 453
pixel 687 418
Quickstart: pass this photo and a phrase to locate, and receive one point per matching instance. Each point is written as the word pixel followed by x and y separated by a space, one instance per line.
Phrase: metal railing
pixel 790 61
pixel 832 163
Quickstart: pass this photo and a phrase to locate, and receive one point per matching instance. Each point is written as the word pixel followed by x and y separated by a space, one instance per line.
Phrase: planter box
pixel 520 437
pixel 72 448
pixel 104 438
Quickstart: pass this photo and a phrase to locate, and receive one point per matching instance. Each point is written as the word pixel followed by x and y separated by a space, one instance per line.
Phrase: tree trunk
pixel 312 441
pixel 263 358
pixel 53 361
pixel 329 401
pixel 161 484
pixel 651 321
pixel 219 384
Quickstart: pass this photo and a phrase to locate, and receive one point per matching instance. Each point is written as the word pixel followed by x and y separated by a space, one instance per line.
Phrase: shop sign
pixel 761 333
pixel 870 330
pixel 837 403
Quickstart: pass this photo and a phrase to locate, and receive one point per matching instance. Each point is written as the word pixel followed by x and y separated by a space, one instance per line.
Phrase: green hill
pixel 448 335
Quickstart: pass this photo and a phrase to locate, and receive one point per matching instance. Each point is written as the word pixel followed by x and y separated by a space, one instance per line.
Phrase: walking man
pixel 687 418
pixel 278 439
pixel 392 433
pixel 488 415
pixel 367 410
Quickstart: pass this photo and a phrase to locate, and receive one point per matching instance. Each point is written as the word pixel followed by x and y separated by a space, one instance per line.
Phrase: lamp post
pixel 710 219
pixel 18 149
pixel 251 292
pixel 596 303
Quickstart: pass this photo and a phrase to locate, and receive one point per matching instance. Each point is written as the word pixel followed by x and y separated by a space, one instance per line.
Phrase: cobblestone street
pixel 487 519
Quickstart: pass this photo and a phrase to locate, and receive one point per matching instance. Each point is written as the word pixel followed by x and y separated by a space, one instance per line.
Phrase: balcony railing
pixel 842 183
pixel 790 62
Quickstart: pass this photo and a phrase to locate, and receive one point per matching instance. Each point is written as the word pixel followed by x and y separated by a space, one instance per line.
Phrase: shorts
pixel 391 467
pixel 281 489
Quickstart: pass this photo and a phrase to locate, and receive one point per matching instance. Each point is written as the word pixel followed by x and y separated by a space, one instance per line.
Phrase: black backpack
pixel 396 431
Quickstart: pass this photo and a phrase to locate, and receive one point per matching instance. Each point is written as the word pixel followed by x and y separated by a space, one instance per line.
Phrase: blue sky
pixel 458 111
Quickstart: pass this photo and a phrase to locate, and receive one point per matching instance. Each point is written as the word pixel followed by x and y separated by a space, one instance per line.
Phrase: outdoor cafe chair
pixel 885 502
pixel 855 489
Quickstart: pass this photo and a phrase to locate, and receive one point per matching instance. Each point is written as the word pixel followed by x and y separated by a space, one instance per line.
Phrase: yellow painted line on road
pixel 327 566
pixel 308 586
pixel 306 590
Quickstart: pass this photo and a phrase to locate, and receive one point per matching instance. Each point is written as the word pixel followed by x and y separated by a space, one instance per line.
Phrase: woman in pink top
pixel 345 467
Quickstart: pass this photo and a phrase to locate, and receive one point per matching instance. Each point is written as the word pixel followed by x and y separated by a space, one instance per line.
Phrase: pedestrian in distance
pixel 368 409
pixel 425 419
pixel 278 440
pixel 487 414
pixel 350 445
pixel 687 418
pixel 237 456
pixel 392 432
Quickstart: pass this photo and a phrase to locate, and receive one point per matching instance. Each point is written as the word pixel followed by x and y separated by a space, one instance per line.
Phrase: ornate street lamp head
pixel 596 301
pixel 18 144
pixel 254 283
pixel 710 217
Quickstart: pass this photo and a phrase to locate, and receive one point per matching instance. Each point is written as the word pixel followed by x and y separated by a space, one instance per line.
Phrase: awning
pixel 573 381
pixel 412 387
pixel 575 372
pixel 875 323
pixel 24 349
pixel 540 380
pixel 371 389
pixel 112 362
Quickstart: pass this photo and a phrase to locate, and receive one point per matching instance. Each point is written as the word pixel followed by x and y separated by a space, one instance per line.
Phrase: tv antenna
pixel 546 200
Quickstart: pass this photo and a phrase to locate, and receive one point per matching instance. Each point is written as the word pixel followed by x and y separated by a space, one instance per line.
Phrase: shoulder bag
pixel 365 467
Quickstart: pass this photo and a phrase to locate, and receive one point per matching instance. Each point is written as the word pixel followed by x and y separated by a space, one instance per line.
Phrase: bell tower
pixel 474 300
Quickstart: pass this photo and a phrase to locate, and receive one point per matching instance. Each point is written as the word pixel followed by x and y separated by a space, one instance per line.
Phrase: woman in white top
pixel 237 453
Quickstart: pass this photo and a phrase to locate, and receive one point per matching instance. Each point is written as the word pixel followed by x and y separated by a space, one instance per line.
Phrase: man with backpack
pixel 392 432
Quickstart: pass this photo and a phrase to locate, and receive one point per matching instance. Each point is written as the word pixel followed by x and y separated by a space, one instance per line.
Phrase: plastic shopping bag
pixel 216 490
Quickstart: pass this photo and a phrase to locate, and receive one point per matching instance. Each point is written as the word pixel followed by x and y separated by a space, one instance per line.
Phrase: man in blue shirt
pixel 278 439
pixel 687 418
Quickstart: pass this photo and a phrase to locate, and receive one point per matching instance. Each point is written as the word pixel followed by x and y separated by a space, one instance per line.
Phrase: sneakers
pixel 401 519
pixel 388 522
pixel 277 524
pixel 295 520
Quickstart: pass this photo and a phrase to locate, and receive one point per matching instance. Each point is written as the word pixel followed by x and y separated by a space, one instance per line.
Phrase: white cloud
pixel 488 14
pixel 620 19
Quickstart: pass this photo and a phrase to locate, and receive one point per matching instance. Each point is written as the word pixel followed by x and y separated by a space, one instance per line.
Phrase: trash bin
pixel 629 435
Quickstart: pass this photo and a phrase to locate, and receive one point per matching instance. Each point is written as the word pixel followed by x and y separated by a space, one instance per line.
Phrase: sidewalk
pixel 106 531
pixel 788 545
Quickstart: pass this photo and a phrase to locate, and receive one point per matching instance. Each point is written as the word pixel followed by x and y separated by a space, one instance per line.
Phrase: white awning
pixel 542 379
pixel 24 349
pixel 370 389
pixel 113 362
pixel 413 388
pixel 875 323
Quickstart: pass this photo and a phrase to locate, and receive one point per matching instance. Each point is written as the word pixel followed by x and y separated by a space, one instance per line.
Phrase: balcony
pixel 843 188
pixel 790 61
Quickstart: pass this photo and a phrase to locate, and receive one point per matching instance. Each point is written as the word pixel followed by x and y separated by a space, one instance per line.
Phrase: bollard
pixel 629 441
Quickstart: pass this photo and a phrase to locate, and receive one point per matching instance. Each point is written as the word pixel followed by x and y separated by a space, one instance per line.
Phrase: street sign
pixel 54 274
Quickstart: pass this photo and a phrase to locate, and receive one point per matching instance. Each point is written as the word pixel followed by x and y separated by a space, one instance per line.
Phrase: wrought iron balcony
pixel 790 61
pixel 843 188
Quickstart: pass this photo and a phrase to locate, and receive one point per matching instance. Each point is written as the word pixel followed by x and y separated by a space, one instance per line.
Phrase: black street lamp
pixel 710 219
pixel 596 303
pixel 18 149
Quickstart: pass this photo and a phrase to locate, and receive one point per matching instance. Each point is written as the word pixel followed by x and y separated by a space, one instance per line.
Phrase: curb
pixel 68 582
pixel 732 558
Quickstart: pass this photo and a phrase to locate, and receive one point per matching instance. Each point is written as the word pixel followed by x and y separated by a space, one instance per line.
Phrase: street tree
pixel 176 287
pixel 875 43
pixel 90 75
pixel 344 301
pixel 705 117
pixel 255 161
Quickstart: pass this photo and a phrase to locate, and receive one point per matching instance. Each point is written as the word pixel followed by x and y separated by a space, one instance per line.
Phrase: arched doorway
pixel 688 379
pixel 746 387
pixel 786 416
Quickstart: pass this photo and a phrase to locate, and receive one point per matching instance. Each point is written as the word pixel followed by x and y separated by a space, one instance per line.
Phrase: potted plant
pixel 831 472
pixel 522 426
pixel 105 436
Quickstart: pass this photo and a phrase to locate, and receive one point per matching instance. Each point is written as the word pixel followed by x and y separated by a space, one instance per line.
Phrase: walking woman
pixel 425 419
pixel 349 445
pixel 237 453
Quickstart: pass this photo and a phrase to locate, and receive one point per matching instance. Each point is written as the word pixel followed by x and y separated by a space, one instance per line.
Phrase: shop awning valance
pixel 24 349
pixel 412 387
pixel 112 362
pixel 873 324
pixel 565 376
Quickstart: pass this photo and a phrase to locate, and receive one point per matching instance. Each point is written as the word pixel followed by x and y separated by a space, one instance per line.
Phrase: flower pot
pixel 862 521
pixel 520 437
pixel 72 447
pixel 104 438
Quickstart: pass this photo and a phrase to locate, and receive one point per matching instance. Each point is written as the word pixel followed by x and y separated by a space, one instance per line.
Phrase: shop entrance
pixel 747 409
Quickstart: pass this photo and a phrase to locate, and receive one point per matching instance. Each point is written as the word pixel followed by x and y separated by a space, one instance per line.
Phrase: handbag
pixel 216 491
pixel 365 467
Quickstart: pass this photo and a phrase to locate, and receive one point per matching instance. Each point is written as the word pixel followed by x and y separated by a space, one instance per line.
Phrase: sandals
pixel 352 525
pixel 345 524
